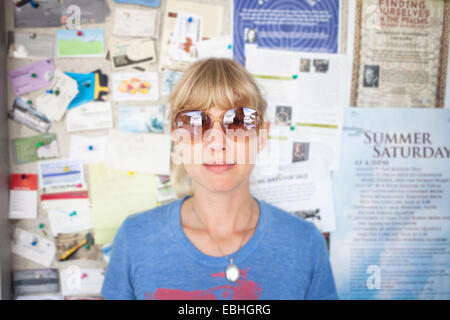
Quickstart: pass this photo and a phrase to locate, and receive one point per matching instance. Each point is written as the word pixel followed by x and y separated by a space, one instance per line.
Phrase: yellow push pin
pixel 66 169
pixel 130 173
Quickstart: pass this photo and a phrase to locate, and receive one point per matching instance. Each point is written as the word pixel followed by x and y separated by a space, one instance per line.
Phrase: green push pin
pixel 292 128
pixel 57 92
pixel 28 101
pixel 229 47
pixel 295 76
pixel 39 144
pixel 33 75
pixel 41 226
pixel 86 247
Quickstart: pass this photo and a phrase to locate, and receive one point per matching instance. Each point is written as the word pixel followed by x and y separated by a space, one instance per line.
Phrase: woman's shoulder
pixel 155 218
pixel 286 223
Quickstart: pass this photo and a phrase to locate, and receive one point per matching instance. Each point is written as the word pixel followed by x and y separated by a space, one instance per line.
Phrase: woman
pixel 217 241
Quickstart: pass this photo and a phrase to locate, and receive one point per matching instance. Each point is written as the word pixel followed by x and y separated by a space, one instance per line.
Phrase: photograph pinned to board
pixel 30 45
pixel 126 53
pixel 133 86
pixel 211 17
pixel 80 43
pixel 34 148
pixel 141 118
pixel 24 112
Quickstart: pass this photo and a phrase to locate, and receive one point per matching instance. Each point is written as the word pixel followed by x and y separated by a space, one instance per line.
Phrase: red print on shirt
pixel 243 289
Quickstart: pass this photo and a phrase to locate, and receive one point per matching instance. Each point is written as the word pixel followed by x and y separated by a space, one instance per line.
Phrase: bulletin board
pixel 83 65
pixel 294 79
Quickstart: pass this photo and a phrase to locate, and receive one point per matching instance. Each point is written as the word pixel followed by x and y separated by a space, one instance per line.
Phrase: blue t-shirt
pixel 152 258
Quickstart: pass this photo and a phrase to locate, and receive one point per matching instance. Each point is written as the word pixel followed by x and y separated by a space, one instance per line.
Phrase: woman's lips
pixel 218 168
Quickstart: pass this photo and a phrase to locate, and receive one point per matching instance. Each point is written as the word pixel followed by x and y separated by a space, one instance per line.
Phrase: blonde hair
pixel 219 82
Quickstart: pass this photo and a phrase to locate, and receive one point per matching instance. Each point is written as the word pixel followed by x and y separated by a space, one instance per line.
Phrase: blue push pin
pixel 34 4
pixel 34 243
pixel 91 148
pixel 50 91
pixel 190 19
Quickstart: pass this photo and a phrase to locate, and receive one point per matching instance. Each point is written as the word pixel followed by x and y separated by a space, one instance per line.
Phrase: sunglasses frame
pixel 220 118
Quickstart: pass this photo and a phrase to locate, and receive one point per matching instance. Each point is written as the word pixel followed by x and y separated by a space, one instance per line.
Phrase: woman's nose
pixel 215 138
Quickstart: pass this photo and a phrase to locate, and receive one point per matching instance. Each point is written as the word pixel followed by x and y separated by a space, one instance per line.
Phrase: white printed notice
pixel 301 188
pixel 392 205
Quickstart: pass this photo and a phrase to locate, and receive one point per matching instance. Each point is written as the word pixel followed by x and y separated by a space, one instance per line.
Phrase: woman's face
pixel 219 162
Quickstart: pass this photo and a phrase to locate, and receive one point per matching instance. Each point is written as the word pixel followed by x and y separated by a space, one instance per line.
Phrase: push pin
pixel 292 128
pixel 80 33
pixel 230 46
pixel 87 247
pixel 28 101
pixel 73 214
pixel 91 148
pixel 24 176
pixel 84 275
pixel 39 144
pixel 34 242
pixel 41 226
pixel 34 4
pixel 33 75
pixel 66 169
pixel 295 76
pixel 189 19
pixel 57 92
pixel 130 173
pixel 87 84
pixel 50 91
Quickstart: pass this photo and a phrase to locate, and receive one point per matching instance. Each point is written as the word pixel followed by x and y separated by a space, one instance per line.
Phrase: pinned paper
pixel 32 77
pixel 141 119
pixel 126 53
pixel 29 149
pixel 114 195
pixel 30 45
pixel 26 114
pixel 90 116
pixel 60 172
pixel 142 152
pixel 23 196
pixel 134 86
pixel 86 87
pixel 33 247
pixel 136 23
pixel 78 281
pixel 55 101
pixel 90 43
pixel 88 149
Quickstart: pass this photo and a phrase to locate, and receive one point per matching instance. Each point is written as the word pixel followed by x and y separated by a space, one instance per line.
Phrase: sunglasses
pixel 197 121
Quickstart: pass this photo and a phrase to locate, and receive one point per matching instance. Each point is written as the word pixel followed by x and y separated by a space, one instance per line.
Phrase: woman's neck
pixel 222 213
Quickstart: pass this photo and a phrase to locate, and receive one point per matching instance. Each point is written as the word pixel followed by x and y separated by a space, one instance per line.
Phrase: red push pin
pixel 80 33
pixel 84 275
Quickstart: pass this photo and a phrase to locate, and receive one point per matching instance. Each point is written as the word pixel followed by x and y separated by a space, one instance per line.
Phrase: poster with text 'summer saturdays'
pixel 392 206
pixel 302 25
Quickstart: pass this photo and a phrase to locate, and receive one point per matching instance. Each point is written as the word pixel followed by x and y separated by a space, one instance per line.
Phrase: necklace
pixel 232 271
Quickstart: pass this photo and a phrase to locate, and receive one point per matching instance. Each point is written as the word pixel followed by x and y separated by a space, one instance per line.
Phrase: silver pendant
pixel 232 272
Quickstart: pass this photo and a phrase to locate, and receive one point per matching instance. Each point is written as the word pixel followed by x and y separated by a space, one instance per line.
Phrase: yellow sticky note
pixel 114 196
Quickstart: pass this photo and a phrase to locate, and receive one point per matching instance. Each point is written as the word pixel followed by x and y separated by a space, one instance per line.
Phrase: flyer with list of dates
pixel 392 206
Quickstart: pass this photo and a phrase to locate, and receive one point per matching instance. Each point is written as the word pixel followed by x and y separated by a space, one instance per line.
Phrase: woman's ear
pixel 263 136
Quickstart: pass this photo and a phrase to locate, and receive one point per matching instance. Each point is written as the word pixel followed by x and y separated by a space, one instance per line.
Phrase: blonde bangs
pixel 223 83
pixel 218 82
